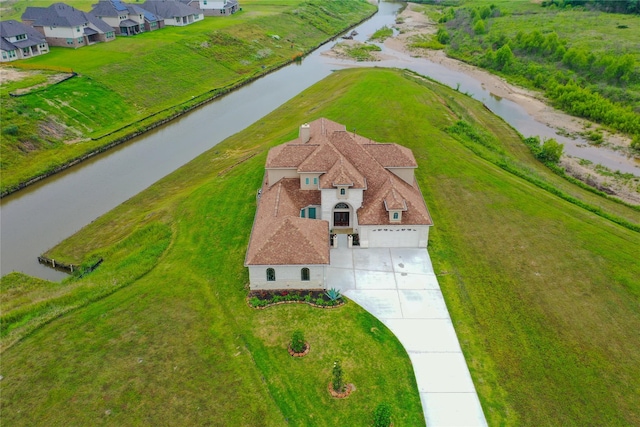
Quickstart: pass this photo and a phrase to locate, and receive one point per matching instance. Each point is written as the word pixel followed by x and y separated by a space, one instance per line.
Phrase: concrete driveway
pixel 399 287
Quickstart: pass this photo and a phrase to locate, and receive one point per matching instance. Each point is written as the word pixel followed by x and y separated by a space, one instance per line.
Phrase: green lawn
pixel 544 295
pixel 129 83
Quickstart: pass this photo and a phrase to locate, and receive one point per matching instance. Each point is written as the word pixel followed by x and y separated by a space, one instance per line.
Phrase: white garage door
pixel 390 238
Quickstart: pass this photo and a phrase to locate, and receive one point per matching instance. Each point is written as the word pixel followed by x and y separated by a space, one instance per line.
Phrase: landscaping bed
pixel 314 297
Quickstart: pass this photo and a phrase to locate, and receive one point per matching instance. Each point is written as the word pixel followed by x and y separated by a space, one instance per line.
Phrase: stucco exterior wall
pixel 331 197
pixel 313 185
pixel 275 175
pixel 406 174
pixel 394 236
pixel 287 277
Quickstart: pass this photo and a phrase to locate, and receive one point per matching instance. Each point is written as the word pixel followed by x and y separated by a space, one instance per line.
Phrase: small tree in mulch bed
pixel 297 342
pixel 337 382
pixel 382 416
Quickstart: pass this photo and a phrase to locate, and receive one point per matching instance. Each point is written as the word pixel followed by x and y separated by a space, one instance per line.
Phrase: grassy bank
pixel 543 293
pixel 133 82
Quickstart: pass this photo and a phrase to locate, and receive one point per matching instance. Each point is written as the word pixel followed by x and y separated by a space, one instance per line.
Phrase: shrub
pixel 551 151
pixel 443 36
pixel 10 130
pixel 635 143
pixel 479 28
pixel 297 341
pixel 382 415
pixel 337 381
pixel 307 297
pixel 333 294
pixel 320 301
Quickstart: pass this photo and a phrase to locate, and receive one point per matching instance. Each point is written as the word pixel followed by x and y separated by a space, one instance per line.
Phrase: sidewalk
pixel 399 287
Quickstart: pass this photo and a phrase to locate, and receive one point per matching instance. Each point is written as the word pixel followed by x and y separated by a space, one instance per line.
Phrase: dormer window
pixel 395 216
pixel 343 191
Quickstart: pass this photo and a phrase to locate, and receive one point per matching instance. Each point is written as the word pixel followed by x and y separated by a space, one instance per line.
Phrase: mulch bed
pixel 304 352
pixel 341 395
pixel 294 296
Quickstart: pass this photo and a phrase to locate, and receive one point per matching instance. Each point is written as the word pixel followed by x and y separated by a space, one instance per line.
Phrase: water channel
pixel 38 217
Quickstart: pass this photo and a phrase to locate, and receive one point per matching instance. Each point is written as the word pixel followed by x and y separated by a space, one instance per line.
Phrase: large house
pixel 65 26
pixel 19 41
pixel 328 181
pixel 173 12
pixel 214 7
pixel 126 19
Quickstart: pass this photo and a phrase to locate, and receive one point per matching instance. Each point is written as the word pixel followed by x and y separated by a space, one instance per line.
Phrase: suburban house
pixel 329 181
pixel 126 19
pixel 173 12
pixel 65 26
pixel 19 41
pixel 214 7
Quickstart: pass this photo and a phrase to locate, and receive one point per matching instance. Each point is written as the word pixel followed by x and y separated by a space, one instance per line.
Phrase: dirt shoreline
pixel 411 23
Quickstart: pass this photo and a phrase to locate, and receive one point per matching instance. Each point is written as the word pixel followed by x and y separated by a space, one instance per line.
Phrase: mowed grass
pixel 132 82
pixel 543 294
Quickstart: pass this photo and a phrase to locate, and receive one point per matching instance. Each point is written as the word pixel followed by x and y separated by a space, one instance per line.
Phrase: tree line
pixel 610 6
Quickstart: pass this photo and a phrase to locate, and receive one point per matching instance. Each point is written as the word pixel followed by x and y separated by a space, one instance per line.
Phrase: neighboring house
pixel 19 41
pixel 214 7
pixel 66 26
pixel 173 12
pixel 126 19
pixel 326 181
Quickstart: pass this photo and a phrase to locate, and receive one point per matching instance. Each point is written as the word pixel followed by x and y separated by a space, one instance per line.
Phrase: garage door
pixel 390 238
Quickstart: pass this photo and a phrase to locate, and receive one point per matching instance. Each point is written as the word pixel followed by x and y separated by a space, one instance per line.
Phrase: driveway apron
pixel 398 286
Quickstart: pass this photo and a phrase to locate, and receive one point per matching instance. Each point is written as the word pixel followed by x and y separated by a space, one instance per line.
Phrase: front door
pixel 341 219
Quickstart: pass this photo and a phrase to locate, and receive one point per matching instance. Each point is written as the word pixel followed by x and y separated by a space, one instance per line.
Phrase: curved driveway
pixel 399 287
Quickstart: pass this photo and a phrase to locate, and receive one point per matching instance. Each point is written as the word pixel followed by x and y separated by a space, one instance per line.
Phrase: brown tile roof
pixel 321 160
pixel 374 211
pixel 288 155
pixel 392 155
pixel 279 235
pixel 342 173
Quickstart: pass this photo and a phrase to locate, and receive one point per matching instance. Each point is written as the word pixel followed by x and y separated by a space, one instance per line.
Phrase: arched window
pixel 395 215
pixel 341 206
pixel 343 191
pixel 271 275
pixel 304 274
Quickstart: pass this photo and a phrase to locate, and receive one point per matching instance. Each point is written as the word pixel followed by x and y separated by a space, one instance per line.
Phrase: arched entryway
pixel 342 215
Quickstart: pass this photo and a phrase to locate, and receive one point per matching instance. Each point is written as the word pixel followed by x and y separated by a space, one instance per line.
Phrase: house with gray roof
pixel 65 26
pixel 214 7
pixel 330 181
pixel 173 12
pixel 126 19
pixel 19 41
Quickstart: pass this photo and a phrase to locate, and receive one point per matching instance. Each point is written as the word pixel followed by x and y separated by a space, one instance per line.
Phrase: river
pixel 39 216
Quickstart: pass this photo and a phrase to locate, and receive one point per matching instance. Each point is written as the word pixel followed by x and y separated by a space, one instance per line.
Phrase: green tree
pixel 551 151
pixel 504 57
pixel 337 381
pixel 442 36
pixel 479 28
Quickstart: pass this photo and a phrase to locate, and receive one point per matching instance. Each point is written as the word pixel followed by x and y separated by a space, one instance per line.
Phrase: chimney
pixel 305 133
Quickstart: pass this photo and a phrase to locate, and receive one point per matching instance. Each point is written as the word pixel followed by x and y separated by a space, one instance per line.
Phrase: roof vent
pixel 305 133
